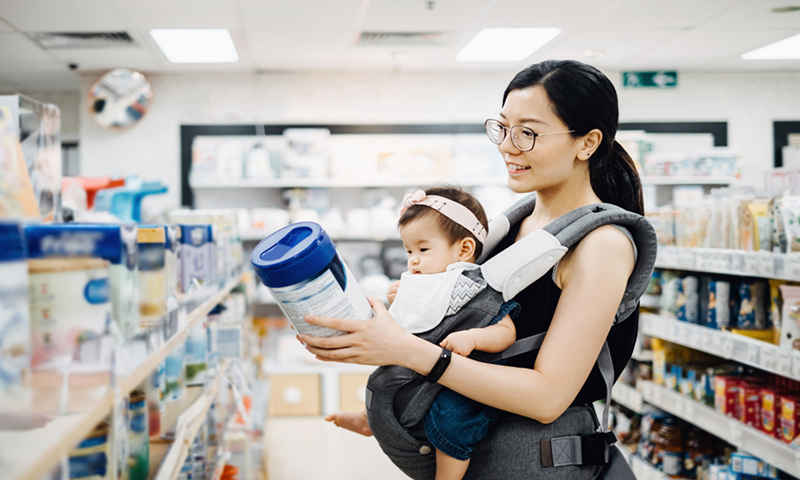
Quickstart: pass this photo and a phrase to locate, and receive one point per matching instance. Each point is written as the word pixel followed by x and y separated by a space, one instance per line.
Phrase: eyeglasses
pixel 522 137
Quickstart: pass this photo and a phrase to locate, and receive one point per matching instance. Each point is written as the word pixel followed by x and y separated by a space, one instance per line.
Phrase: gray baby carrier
pixel 576 445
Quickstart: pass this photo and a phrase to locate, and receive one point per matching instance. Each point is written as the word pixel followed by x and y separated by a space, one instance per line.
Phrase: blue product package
pixel 15 320
pixel 195 259
pixel 301 267
pixel 175 374
pixel 197 356
pixel 114 243
pixel 719 311
pixel 752 311
pixel 680 312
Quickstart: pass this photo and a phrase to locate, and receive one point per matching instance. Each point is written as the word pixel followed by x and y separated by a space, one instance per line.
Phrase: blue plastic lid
pixel 75 240
pixel 210 233
pixel 292 254
pixel 13 242
pixel 195 234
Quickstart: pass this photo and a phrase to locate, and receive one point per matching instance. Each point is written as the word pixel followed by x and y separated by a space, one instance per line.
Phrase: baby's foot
pixel 353 421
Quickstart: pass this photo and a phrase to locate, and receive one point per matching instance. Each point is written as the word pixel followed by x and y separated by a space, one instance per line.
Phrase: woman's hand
pixel 379 341
pixel 391 292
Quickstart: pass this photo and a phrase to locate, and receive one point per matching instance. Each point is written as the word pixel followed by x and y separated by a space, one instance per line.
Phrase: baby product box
pixel 195 262
pixel 171 258
pixel 197 355
pixel 152 249
pixel 15 325
pixel 304 272
pixel 114 243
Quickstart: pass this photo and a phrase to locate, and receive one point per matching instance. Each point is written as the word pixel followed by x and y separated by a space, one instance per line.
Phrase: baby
pixel 443 231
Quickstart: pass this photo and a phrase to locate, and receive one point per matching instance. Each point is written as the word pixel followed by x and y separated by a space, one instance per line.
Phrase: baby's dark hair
pixel 453 232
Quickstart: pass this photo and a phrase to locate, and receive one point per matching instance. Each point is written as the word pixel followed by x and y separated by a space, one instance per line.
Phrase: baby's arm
pixel 492 339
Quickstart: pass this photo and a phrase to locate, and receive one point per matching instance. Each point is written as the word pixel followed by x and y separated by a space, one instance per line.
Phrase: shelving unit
pixel 762 355
pixel 779 266
pixel 30 454
pixel 628 397
pixel 641 468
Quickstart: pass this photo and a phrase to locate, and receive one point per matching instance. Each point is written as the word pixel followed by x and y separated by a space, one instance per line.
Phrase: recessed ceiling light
pixel 790 9
pixel 196 45
pixel 505 44
pixel 594 53
pixel 786 49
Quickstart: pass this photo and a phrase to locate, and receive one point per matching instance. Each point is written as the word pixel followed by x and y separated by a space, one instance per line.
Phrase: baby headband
pixel 450 209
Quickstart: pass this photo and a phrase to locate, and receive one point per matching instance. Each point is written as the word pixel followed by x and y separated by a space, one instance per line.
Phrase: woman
pixel 556 135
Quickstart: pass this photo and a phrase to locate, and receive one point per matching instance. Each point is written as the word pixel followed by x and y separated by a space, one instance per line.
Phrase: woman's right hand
pixel 391 292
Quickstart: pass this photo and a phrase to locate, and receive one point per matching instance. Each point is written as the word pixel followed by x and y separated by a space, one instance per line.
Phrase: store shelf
pixel 338 182
pixel 650 301
pixel 642 356
pixel 642 469
pixel 688 180
pixel 730 262
pixel 745 438
pixel 762 355
pixel 29 455
pixel 627 396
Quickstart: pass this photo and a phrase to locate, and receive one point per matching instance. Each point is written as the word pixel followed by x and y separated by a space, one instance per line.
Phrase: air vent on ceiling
pixel 401 38
pixel 53 41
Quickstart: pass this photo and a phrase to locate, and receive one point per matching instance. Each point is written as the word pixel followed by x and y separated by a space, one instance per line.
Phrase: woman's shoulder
pixel 602 251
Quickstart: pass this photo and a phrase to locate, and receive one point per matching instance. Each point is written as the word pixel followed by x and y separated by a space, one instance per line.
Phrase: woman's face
pixel 553 159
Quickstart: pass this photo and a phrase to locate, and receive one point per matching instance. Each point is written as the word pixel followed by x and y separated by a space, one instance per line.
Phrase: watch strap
pixel 440 366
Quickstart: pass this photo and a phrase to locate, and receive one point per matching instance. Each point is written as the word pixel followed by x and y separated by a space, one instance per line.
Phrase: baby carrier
pixel 576 445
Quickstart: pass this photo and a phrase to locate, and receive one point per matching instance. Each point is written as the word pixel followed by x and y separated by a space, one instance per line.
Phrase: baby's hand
pixel 461 343
pixel 391 292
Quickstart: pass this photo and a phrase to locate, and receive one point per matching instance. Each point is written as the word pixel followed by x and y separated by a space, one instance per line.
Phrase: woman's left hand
pixel 379 341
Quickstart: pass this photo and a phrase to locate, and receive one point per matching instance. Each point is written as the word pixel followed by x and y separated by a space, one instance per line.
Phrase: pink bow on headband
pixel 449 208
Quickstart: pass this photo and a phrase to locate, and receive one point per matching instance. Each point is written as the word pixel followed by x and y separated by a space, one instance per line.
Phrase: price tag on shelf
pixel 769 359
pixel 796 364
pixel 779 265
pixel 707 340
pixel 686 259
pixel 737 262
pixel 751 263
pixel 647 390
pixel 736 432
pixel 792 261
pixel 675 332
pixel 783 361
pixel 726 262
pixel 766 267
pixel 727 347
pixel 685 335
pixel 688 410
pixel 718 340
pixel 752 354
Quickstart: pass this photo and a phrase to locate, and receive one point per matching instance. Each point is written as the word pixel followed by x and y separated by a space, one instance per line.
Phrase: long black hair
pixel 585 99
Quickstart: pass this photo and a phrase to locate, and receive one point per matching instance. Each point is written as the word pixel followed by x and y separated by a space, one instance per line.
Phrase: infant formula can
pixel 304 272
pixel 115 243
pixel 89 460
pixel 70 309
pixel 15 325
pixel 152 270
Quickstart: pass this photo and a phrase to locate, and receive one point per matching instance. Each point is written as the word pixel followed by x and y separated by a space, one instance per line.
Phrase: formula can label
pixel 324 296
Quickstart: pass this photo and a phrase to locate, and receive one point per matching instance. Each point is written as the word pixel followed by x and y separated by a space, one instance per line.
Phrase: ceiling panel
pixel 670 14
pixel 418 58
pixel 617 45
pixel 59 15
pixel 108 58
pixel 16 48
pixel 704 46
pixel 757 14
pixel 756 65
pixel 42 78
pixel 562 13
pixel 415 16
pixel 303 45
pixel 299 14
pixel 147 14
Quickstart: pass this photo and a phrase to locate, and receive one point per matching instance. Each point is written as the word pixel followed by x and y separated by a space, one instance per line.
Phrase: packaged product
pixel 162 387
pixel 153 282
pixel 791 222
pixel 726 394
pixel 175 374
pixel 790 317
pixel 672 378
pixel 669 448
pixel 669 291
pixel 196 355
pixel 719 312
pixel 790 410
pixel 761 236
pixel 749 407
pixel 89 460
pixel 766 335
pixel 70 310
pixel 138 437
pixel 778 226
pixel 748 465
pixel 171 258
pixel 15 324
pixel 688 300
pixel 699 452
pixel 195 260
pixel 751 302
pixel 215 254
pixel 702 302
pixel 114 243
pixel 775 301
pixel 654 287
pixel 770 412
pixel 152 390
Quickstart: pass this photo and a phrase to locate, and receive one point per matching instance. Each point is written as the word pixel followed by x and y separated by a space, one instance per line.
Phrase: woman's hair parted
pixel 452 231
pixel 585 99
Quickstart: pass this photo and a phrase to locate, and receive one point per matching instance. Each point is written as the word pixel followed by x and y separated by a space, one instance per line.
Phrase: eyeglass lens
pixel 522 137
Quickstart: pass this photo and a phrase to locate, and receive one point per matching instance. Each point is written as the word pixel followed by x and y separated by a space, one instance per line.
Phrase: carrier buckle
pixel 577 450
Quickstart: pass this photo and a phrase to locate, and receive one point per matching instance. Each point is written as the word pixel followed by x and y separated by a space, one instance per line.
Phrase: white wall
pixel 749 102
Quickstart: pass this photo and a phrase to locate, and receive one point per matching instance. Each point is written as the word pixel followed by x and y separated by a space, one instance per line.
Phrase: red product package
pixel 790 408
pixel 771 410
pixel 748 409
pixel 726 394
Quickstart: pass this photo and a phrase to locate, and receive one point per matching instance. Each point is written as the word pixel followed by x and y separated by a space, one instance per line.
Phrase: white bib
pixel 422 301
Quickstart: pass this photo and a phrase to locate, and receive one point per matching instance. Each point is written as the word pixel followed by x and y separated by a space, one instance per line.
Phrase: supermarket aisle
pixel 309 448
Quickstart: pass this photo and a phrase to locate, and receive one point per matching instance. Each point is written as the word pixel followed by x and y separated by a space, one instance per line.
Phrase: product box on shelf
pixel 770 411
pixel 114 243
pixel 749 407
pixel 152 270
pixel 748 465
pixel 172 258
pixel 197 355
pixel 726 394
pixel 790 414
pixel 195 261
pixel 15 324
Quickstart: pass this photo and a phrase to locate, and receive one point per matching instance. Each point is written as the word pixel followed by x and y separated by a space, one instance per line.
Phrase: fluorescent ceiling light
pixel 786 49
pixel 196 45
pixel 505 44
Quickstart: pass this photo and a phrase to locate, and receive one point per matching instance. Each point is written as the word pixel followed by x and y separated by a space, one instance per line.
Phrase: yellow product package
pixel 762 229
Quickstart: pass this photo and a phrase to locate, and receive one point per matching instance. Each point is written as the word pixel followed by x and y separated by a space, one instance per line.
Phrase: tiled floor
pixel 309 448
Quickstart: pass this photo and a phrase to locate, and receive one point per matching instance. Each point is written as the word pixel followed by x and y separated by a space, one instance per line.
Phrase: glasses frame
pixel 509 130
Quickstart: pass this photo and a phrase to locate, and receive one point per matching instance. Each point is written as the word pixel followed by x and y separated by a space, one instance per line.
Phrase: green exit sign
pixel 661 79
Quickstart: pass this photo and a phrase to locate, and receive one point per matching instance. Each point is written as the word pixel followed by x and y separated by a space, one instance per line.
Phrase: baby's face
pixel 428 251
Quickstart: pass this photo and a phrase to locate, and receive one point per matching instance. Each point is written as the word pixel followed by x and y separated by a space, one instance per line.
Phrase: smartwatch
pixel 441 365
